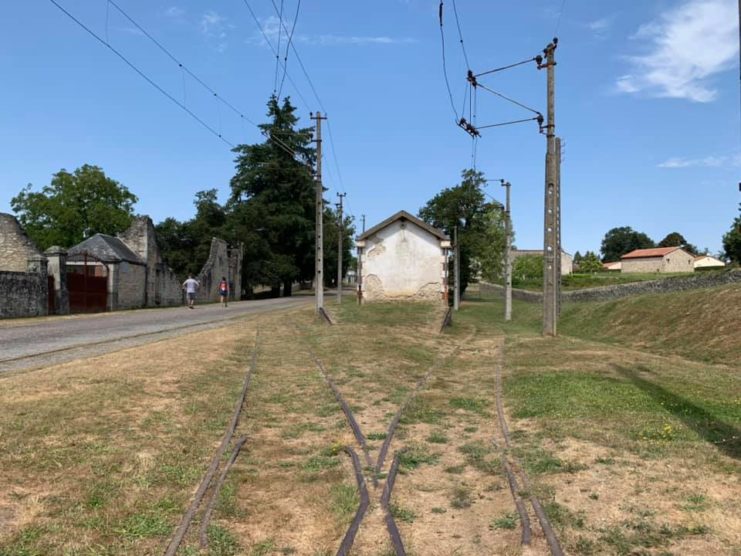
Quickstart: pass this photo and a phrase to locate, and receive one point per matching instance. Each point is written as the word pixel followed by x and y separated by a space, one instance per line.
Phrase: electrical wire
pixel 277 54
pixel 270 44
pixel 560 15
pixel 178 62
pixel 508 99
pixel 334 156
pixel 290 41
pixel 460 35
pixel 507 123
pixel 141 73
pixel 445 67
pixel 510 66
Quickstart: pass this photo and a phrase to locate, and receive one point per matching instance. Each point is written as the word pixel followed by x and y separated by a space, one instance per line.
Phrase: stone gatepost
pixel 37 266
pixel 57 267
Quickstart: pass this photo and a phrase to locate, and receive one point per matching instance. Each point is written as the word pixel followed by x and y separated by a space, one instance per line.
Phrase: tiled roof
pixel 645 253
pixel 107 249
pixel 404 215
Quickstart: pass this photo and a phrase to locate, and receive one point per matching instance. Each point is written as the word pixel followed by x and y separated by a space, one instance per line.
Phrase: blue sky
pixel 647 99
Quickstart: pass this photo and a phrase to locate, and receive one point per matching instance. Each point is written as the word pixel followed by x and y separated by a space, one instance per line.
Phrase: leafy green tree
pixel 272 198
pixel 493 244
pixel 590 263
pixel 619 241
pixel 331 236
pixel 732 240
pixel 185 246
pixel 527 268
pixel 675 239
pixel 464 205
pixel 73 207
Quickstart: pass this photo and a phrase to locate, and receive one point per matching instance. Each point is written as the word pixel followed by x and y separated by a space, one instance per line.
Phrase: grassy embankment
pixel 631 420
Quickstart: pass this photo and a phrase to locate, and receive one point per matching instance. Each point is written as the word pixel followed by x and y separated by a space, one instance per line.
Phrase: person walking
pixel 191 286
pixel 223 290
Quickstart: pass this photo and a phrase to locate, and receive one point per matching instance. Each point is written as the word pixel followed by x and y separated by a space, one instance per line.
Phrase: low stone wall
pixel 617 291
pixel 665 285
pixel 24 294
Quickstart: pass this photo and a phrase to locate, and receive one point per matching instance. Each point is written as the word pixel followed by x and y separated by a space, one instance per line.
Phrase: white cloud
pixel 175 12
pixel 705 162
pixel 215 28
pixel 270 27
pixel 599 26
pixel 687 46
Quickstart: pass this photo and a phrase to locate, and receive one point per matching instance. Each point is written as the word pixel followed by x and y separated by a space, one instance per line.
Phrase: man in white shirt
pixel 191 286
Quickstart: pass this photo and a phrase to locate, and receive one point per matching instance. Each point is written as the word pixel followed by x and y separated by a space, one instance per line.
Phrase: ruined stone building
pixel 102 273
pixel 403 258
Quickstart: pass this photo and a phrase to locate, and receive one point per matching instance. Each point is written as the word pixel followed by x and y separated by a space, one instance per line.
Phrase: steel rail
pixel 187 518
pixel 206 519
pixel 545 524
pixel 386 505
pixel 352 531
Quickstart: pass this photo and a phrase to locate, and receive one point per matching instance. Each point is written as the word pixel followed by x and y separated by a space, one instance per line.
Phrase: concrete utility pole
pixel 340 229
pixel 507 256
pixel 363 215
pixel 552 220
pixel 457 283
pixel 319 228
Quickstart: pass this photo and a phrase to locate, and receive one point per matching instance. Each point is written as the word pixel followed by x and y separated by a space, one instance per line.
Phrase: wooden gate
pixel 87 284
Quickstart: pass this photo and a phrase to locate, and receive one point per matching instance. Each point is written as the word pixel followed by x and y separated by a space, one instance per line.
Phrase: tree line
pixel 270 212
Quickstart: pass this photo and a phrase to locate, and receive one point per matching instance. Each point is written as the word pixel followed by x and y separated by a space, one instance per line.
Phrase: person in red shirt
pixel 223 290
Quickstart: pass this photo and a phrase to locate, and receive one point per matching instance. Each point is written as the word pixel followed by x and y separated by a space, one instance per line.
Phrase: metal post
pixel 551 219
pixel 319 232
pixel 507 256
pixel 340 230
pixel 457 283
pixel 363 216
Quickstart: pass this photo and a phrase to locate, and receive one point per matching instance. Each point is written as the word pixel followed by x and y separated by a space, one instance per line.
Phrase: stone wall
pixel 130 285
pixel 216 266
pixel 162 285
pixel 607 293
pixel 24 294
pixel 15 246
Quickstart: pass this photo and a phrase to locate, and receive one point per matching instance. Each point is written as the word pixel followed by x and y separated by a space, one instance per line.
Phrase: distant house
pixel 567 261
pixel 658 259
pixel 403 258
pixel 706 262
pixel 615 266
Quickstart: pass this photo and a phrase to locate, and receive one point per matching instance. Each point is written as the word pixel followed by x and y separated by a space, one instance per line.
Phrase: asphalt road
pixel 31 344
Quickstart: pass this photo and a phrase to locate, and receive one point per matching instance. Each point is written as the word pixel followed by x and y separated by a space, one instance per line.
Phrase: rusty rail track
pixel 508 458
pixel 349 538
pixel 190 513
pixel 391 526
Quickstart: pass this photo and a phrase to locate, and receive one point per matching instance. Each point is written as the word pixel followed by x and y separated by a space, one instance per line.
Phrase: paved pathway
pixel 33 343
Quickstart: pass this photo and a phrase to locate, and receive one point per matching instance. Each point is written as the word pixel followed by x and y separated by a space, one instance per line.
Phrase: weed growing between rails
pixel 620 444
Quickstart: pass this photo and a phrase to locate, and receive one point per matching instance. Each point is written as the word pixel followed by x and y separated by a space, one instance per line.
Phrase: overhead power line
pixel 445 67
pixel 141 73
pixel 510 66
pixel 178 62
pixel 290 41
pixel 460 35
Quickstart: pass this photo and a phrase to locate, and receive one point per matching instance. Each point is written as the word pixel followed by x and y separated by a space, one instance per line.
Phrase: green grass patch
pixel 506 521
pixel 402 514
pixel 344 501
pixel 414 456
pixel 474 405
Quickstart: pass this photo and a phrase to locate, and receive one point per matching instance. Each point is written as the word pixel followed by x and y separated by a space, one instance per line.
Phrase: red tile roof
pixel 644 253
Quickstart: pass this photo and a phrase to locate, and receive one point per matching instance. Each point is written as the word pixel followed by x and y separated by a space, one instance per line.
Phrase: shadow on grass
pixel 726 437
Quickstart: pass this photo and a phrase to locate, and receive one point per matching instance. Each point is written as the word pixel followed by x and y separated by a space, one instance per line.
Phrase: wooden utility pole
pixel 551 232
pixel 457 283
pixel 319 223
pixel 507 256
pixel 340 230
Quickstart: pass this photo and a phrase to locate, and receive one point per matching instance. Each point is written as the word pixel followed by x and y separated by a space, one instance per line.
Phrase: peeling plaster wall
pixel 402 262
